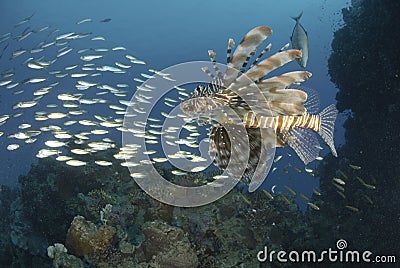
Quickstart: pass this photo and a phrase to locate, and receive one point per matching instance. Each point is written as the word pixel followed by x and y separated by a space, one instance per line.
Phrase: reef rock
pixel 169 246
pixel 64 260
pixel 85 238
pixel 61 259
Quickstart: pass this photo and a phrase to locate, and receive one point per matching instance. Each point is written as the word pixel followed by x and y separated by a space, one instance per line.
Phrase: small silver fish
pixel 75 163
pixel 84 20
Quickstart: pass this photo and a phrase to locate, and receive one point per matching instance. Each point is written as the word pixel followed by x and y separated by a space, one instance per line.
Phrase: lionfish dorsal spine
pixel 248 44
pixel 206 70
pixel 243 68
pixel 284 47
pixel 265 50
pixel 212 55
pixel 231 44
pixel 271 63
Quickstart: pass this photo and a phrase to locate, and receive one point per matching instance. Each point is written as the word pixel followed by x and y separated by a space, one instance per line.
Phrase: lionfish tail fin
pixel 328 118
pixel 297 18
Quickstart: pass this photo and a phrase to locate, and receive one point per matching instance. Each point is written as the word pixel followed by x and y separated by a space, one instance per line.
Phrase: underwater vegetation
pixel 96 216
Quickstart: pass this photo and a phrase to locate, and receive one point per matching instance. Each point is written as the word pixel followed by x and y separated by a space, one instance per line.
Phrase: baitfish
pixel 106 20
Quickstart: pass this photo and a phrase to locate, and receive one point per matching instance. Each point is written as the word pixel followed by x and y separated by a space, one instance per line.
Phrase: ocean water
pixel 162 34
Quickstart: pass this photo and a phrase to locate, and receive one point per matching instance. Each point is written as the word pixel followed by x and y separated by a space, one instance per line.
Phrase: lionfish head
pixel 201 102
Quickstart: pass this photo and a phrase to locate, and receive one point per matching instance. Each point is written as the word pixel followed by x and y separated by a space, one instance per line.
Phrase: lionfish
pixel 272 111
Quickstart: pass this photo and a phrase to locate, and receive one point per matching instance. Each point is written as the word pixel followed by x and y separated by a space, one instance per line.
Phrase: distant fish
pixel 354 167
pixel 5 47
pixel 12 147
pixel 352 208
pixel 24 20
pixel 312 205
pixel 75 163
pixel 299 40
pixel 106 20
pixel 84 20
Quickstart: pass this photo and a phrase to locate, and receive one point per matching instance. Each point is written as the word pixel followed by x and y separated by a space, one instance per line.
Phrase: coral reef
pixel 120 226
pixel 169 246
pixel 61 259
pixel 84 238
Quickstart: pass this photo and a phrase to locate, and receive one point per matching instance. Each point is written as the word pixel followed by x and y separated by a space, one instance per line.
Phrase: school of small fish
pixel 66 103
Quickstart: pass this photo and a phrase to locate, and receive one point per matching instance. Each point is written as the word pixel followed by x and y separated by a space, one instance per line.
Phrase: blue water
pixel 164 33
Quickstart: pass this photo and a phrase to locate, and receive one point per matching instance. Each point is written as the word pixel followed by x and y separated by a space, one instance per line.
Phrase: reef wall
pixel 365 67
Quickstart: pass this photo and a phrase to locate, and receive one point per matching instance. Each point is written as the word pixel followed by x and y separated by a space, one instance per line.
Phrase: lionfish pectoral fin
pixel 265 159
pixel 245 152
pixel 230 148
pixel 328 118
pixel 304 142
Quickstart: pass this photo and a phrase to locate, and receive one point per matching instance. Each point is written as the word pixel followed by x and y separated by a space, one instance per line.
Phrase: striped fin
pixel 212 55
pixel 272 102
pixel 265 158
pixel 248 44
pixel 285 101
pixel 328 118
pixel 265 50
pixel 312 103
pixel 284 80
pixel 247 60
pixel 207 71
pixel 284 47
pixel 220 148
pixel 231 44
pixel 303 141
pixel 271 63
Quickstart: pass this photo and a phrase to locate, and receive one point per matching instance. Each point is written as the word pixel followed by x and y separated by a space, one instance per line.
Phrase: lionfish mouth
pixel 199 105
